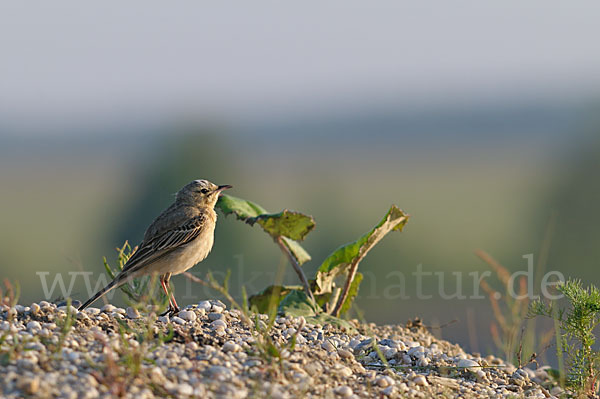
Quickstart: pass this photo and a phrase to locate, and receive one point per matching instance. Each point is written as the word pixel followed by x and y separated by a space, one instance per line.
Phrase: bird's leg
pixel 166 290
pixel 172 301
pixel 164 282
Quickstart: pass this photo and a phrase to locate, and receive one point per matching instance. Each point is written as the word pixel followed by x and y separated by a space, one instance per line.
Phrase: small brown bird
pixel 179 238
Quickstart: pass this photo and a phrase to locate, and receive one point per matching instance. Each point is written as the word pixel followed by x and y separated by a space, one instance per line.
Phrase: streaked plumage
pixel 180 237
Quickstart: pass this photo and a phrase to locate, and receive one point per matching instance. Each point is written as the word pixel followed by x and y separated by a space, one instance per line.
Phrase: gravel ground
pixel 212 353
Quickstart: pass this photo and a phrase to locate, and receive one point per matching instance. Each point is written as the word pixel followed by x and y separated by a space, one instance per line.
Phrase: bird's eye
pixel 204 191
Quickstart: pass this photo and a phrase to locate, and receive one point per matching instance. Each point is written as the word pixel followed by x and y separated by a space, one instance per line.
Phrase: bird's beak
pixel 223 187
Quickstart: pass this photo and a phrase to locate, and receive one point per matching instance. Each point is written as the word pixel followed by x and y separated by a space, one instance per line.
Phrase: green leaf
pixel 286 223
pixel 296 249
pixel 324 318
pixel 264 299
pixel 4 359
pixel 352 253
pixel 242 209
pixel 289 225
pixel 297 304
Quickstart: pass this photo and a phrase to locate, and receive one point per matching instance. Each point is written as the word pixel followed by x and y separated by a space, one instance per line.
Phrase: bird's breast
pixel 192 253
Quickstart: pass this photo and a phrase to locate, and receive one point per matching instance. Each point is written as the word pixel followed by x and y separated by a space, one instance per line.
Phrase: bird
pixel 178 239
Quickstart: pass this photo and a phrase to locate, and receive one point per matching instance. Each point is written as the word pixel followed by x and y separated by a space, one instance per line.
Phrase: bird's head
pixel 201 193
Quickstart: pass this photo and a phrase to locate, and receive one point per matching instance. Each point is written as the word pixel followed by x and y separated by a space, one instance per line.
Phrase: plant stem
pixel 333 300
pixel 297 268
pixel 347 284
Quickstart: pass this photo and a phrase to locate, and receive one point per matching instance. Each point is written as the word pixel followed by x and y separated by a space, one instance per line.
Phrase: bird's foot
pixel 171 311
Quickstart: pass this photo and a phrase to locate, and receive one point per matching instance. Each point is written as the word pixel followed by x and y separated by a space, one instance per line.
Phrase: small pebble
pixel 344 391
pixel 108 308
pixel 215 316
pixel 231 346
pixel 35 309
pixel 423 362
pixel 328 346
pixel 383 381
pixel 421 381
pixel 416 351
pixel 345 354
pixel 469 364
pixel 220 373
pixel 132 313
pixel 185 389
pixel 34 326
pixel 218 323
pixel 187 315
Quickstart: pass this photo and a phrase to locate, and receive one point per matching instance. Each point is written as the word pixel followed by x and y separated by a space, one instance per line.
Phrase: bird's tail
pixel 113 284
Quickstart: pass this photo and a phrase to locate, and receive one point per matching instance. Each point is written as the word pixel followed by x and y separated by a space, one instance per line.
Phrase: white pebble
pixel 217 309
pixel 300 340
pixel 34 326
pixel 343 391
pixel 220 331
pixel 415 350
pixel 231 346
pixel 35 308
pixel 178 320
pixel 423 362
pixel 70 309
pixel 156 375
pixel 218 323
pixel 92 311
pixel 328 346
pixel 384 381
pixel 187 315
pixel 185 389
pixel 421 380
pixel 469 364
pixel 345 372
pixel 390 353
pixel 220 373
pixel 289 332
pixel 108 308
pixel 205 305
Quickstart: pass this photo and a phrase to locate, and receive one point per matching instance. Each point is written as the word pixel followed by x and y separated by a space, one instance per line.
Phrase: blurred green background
pixel 484 145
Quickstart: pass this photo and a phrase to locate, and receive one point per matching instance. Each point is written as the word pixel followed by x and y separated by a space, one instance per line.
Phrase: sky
pixel 69 61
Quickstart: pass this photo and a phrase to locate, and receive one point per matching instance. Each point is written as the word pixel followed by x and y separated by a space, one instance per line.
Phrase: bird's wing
pixel 165 242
